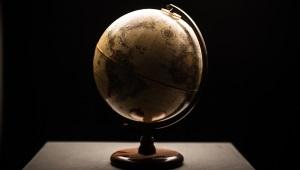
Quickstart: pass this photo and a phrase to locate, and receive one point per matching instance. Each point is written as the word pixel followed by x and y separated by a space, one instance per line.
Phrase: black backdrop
pixel 49 92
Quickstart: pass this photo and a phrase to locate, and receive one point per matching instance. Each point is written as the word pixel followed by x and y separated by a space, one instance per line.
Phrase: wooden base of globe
pixel 132 159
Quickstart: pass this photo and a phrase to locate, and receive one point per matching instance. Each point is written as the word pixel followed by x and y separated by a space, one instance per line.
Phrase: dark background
pixel 49 92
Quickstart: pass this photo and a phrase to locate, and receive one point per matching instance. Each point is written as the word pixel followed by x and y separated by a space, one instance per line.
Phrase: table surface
pixel 96 156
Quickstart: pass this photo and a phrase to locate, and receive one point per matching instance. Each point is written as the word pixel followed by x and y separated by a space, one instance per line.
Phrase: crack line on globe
pixel 145 77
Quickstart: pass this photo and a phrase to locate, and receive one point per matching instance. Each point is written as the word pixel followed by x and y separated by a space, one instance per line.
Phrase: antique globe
pixel 148 66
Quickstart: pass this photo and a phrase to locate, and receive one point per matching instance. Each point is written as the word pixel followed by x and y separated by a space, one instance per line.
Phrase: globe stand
pixel 146 156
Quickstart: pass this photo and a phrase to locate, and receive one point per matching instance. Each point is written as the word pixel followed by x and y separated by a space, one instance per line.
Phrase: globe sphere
pixel 148 65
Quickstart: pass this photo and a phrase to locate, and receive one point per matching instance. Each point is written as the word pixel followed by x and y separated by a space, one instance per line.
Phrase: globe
pixel 148 65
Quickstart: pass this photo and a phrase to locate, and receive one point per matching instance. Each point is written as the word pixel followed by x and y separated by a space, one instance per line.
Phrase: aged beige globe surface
pixel 148 65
